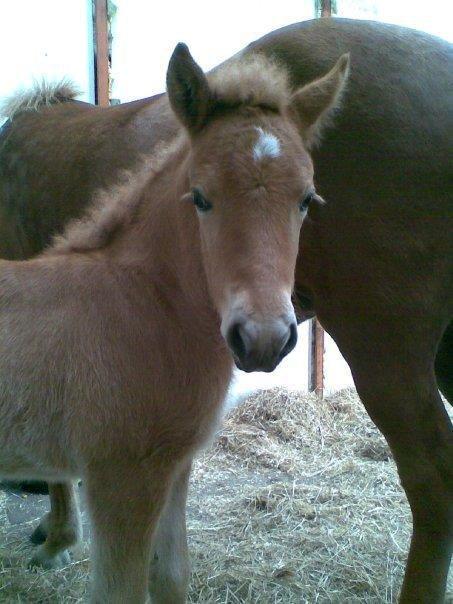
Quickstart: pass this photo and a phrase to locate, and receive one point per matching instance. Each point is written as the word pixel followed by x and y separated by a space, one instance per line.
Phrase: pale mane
pixel 254 80
pixel 41 94
pixel 114 208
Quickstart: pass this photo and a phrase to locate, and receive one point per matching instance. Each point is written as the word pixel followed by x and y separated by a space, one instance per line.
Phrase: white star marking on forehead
pixel 267 145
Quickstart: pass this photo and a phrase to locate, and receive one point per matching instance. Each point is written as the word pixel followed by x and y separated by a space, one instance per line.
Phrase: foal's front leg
pixel 59 529
pixel 170 569
pixel 125 502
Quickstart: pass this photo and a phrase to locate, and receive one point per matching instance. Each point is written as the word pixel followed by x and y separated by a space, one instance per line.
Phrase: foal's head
pixel 251 181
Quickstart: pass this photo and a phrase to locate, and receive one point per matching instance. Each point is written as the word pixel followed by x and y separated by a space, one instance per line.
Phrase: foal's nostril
pixel 236 341
pixel 291 341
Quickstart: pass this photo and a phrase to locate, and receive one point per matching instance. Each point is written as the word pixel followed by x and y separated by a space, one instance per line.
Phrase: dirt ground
pixel 298 501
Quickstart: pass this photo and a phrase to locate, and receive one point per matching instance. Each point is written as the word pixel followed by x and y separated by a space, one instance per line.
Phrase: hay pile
pixel 297 502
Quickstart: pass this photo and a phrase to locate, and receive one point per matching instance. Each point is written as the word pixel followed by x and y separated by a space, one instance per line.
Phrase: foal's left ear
pixel 313 103
pixel 188 89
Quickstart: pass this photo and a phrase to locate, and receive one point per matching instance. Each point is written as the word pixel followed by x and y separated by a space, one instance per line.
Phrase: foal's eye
pixel 202 204
pixel 303 205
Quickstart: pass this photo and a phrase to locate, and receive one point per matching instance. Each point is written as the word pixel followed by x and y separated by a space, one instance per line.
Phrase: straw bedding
pixel 298 501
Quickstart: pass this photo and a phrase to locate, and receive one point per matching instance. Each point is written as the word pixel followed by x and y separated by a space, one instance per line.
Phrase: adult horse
pixel 375 262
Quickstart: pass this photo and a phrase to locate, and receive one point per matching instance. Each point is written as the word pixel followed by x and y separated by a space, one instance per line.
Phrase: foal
pixel 117 344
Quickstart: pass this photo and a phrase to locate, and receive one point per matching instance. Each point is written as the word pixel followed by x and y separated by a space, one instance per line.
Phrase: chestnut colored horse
pixel 375 262
pixel 117 343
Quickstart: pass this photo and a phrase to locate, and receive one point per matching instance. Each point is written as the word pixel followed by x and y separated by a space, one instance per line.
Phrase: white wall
pixel 46 38
pixel 433 17
pixel 337 374
pixel 144 37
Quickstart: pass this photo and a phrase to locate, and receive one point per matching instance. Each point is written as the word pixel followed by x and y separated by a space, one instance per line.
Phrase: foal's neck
pixel 164 241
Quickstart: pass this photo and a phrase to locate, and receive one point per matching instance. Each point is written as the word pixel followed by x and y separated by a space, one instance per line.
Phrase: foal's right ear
pixel 188 89
pixel 313 103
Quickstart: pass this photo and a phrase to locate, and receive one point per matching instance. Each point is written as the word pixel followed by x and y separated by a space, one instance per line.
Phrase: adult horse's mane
pixel 254 81
pixel 42 94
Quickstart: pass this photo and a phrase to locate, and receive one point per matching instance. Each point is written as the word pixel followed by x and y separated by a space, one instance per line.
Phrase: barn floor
pixel 297 502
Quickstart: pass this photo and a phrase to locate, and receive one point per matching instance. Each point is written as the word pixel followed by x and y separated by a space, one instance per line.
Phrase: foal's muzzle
pixel 261 345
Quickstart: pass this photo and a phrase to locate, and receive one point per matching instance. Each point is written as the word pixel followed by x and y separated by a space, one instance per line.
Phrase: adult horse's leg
pixel 170 569
pixel 125 502
pixel 59 529
pixel 444 364
pixel 393 367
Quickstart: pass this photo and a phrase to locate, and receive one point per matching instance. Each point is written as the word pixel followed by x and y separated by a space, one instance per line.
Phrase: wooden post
pixel 326 8
pixel 323 8
pixel 316 333
pixel 316 358
pixel 102 52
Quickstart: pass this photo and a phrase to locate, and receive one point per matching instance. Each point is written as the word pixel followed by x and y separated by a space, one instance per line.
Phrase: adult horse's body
pixel 375 262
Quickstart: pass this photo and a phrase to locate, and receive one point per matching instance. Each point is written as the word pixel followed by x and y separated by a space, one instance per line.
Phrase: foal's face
pixel 251 181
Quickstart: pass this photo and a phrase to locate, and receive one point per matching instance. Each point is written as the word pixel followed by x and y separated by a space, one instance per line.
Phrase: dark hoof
pixel 43 560
pixel 38 536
